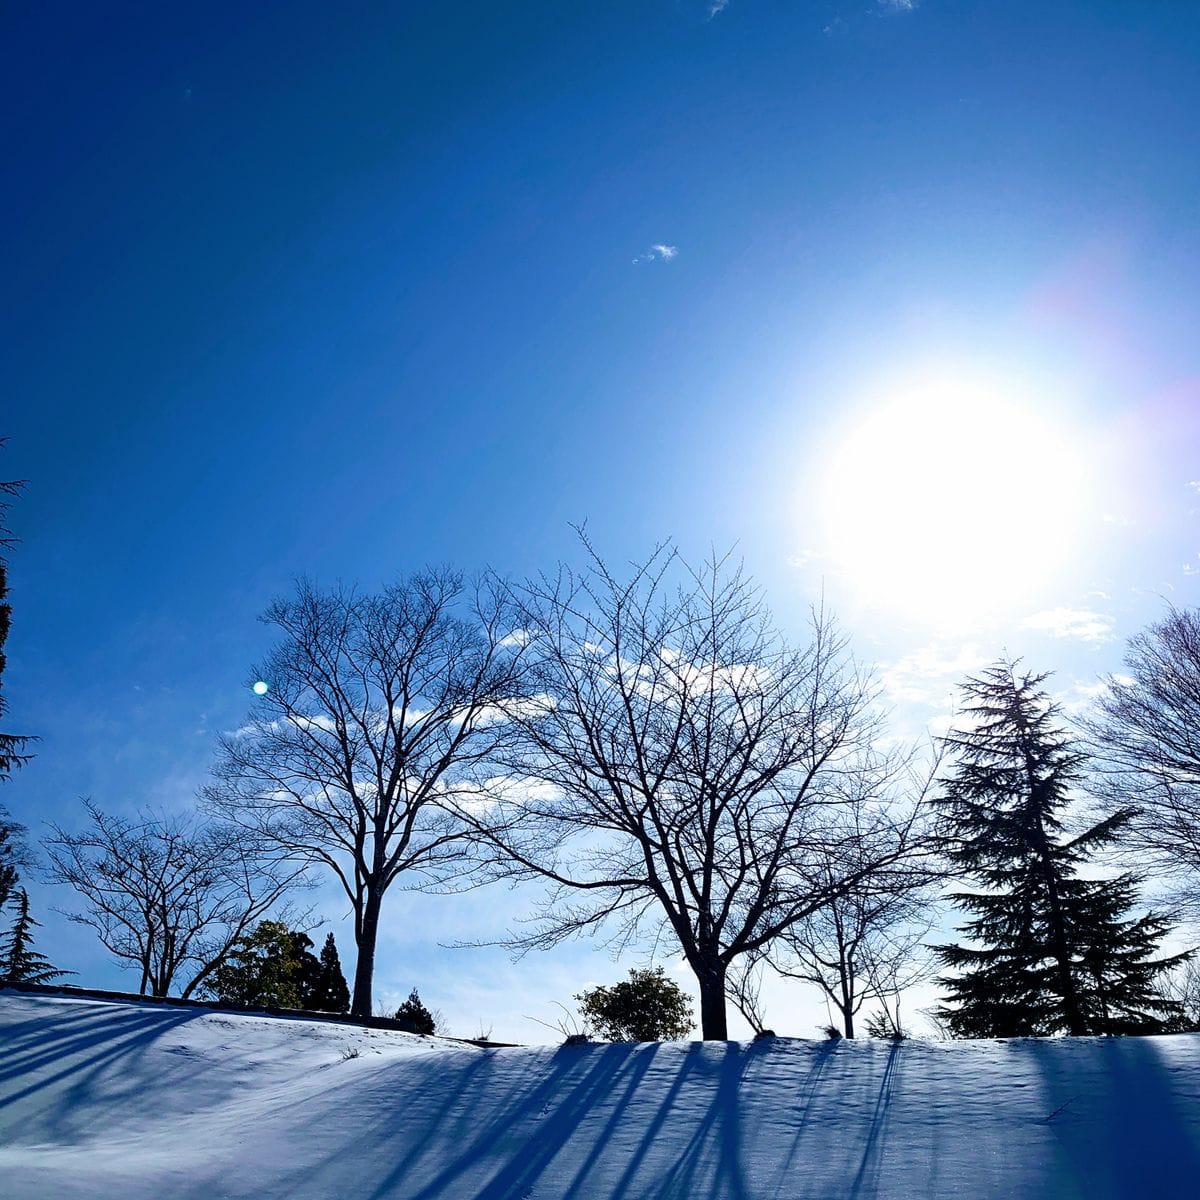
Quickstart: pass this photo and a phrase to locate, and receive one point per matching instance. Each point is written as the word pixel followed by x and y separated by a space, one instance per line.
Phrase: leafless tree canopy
pixel 682 770
pixel 866 944
pixel 167 895
pixel 380 708
pixel 1147 746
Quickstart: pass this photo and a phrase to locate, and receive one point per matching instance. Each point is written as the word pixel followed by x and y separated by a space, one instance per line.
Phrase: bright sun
pixel 953 496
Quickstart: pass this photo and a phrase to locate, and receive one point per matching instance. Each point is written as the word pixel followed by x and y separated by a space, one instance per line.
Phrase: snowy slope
pixel 103 1099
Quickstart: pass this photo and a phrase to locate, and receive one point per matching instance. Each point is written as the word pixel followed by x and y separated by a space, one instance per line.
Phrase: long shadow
pixel 715 1146
pixel 98 1064
pixel 1121 1123
pixel 404 1117
pixel 561 1118
pixel 867 1176
pixel 641 1065
pixel 823 1053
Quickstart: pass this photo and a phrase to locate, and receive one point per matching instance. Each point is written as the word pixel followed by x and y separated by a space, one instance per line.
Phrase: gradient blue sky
pixel 342 290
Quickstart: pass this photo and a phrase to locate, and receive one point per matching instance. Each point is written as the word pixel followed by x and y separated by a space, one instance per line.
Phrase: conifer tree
pixel 10 855
pixel 12 745
pixel 1049 952
pixel 19 961
pixel 414 1017
pixel 331 993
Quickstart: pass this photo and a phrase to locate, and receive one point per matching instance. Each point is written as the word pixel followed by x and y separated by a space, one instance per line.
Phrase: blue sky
pixel 290 289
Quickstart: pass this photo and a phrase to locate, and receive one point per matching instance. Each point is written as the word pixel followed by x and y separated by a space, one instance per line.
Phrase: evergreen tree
pixel 11 744
pixel 275 967
pixel 265 968
pixel 10 855
pixel 19 961
pixel 331 993
pixel 1049 952
pixel 414 1017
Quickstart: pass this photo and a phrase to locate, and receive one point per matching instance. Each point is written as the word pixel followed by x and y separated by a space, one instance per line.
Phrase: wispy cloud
pixel 1084 624
pixel 897 6
pixel 930 674
pixel 716 7
pixel 659 252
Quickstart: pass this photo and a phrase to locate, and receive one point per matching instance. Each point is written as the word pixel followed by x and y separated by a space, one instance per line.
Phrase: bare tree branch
pixel 167 895
pixel 679 765
pixel 382 712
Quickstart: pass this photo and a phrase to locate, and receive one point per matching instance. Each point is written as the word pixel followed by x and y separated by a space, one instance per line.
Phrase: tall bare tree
pixel 683 771
pixel 379 709
pixel 167 895
pixel 1146 747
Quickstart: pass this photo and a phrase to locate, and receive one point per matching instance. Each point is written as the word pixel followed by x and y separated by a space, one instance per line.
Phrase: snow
pixel 138 1102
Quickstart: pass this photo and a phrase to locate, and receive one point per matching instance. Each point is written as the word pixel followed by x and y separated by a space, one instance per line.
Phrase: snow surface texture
pixel 101 1099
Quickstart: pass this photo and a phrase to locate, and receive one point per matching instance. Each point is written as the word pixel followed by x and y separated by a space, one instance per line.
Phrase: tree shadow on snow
pixel 1116 1108
pixel 65 1069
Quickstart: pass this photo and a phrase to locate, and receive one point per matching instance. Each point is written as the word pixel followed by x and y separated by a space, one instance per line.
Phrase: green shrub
pixel 646 1007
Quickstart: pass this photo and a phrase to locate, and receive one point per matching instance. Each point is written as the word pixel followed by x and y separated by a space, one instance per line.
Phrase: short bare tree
pixel 1146 748
pixel 380 708
pixel 866 945
pixel 167 895
pixel 683 771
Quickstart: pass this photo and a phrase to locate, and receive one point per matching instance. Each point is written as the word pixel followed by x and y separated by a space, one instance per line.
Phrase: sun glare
pixel 952 497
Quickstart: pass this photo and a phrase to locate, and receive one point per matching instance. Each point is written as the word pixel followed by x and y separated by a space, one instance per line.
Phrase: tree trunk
pixel 364 970
pixel 711 979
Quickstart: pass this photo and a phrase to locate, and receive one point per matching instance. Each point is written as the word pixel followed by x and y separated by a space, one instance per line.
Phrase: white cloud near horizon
pixel 1083 624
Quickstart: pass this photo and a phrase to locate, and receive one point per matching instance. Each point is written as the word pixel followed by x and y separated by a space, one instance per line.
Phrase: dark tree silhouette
pixel 12 856
pixel 169 896
pixel 19 961
pixel 867 945
pixel 1049 952
pixel 12 745
pixel 1146 735
pixel 330 993
pixel 379 709
pixel 682 771
pixel 414 1017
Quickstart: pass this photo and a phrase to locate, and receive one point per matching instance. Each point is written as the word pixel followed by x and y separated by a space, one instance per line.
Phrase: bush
pixel 414 1017
pixel 647 1007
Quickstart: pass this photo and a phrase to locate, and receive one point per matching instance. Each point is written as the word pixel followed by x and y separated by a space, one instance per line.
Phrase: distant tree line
pixel 650 748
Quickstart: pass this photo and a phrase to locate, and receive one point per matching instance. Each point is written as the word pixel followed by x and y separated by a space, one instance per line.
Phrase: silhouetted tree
pixel 331 993
pixel 682 770
pixel 12 745
pixel 379 709
pixel 646 1007
pixel 167 895
pixel 19 961
pixel 11 857
pixel 414 1017
pixel 1049 952
pixel 1147 744
pixel 864 945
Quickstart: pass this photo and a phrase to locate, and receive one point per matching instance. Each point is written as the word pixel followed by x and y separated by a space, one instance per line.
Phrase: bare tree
pixel 1146 742
pixel 683 771
pixel 863 946
pixel 168 895
pixel 378 710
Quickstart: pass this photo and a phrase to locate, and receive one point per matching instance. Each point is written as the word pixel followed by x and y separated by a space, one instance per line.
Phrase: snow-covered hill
pixel 136 1102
